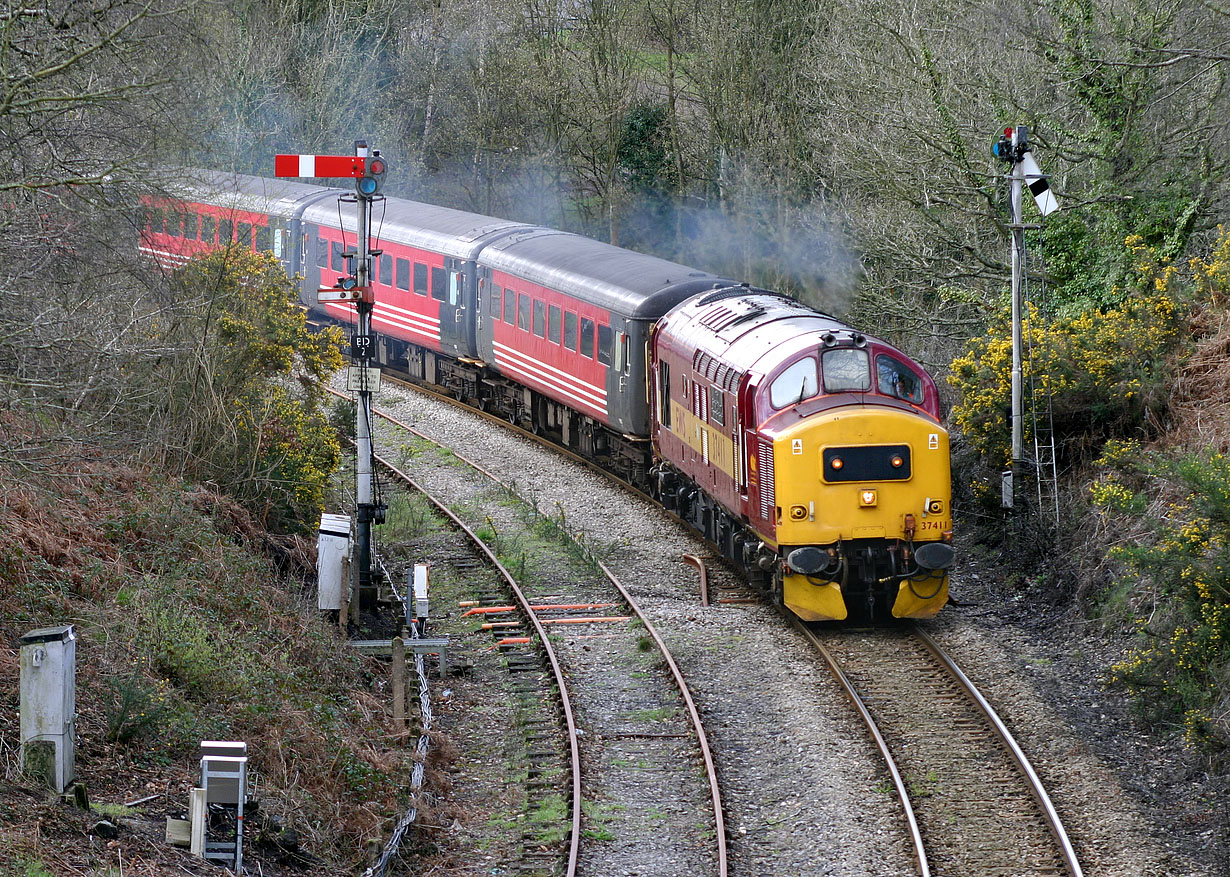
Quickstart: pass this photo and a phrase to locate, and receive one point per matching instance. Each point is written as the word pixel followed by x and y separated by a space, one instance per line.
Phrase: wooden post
pixel 343 612
pixel 399 682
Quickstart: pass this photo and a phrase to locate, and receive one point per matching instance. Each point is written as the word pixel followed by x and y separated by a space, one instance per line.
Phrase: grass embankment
pixel 188 630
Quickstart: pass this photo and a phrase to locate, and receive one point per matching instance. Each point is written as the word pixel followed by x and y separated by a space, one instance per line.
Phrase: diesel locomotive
pixel 811 454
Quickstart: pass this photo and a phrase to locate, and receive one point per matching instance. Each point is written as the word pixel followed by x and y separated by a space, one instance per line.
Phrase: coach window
pixel 570 330
pixel 554 318
pixel 846 370
pixel 493 294
pixel 897 379
pixel 175 224
pixel 244 230
pixel 386 270
pixel 717 408
pixel 605 340
pixel 587 337
pixel 264 238
pixel 209 228
pixel 420 278
pixel 192 226
pixel 439 284
pixel 523 311
pixel 454 287
pixel 795 384
pixel 335 262
pixel 403 274
pixel 322 247
pixel 510 306
pixel 540 319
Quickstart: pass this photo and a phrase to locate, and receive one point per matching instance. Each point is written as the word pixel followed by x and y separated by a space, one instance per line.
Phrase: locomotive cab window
pixel 846 370
pixel 898 380
pixel 796 383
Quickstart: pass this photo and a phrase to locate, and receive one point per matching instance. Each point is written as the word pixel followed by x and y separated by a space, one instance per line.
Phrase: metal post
pixel 1018 244
pixel 363 410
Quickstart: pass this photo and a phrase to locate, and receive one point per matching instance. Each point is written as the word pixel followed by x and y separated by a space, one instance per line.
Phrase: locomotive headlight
pixel 798 512
pixel 867 498
pixel 836 463
pixel 935 506
pixel 897 461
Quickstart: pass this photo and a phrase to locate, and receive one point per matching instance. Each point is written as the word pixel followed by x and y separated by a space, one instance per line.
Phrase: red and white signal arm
pixel 319 166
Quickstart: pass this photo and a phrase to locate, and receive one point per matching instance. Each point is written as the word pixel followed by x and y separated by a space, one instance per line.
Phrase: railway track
pixel 628 735
pixel 972 801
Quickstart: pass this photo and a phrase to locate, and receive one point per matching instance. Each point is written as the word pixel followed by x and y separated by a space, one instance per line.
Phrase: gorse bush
pixel 236 413
pixel 1107 371
pixel 1175 584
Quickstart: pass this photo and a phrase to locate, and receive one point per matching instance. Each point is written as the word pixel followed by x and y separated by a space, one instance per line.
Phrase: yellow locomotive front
pixel 861 515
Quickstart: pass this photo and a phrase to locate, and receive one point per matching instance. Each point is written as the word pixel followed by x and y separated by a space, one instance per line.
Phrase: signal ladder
pixel 1046 464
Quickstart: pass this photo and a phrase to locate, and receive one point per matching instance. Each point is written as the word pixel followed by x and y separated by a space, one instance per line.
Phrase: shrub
pixel 1106 371
pixel 1175 584
pixel 236 414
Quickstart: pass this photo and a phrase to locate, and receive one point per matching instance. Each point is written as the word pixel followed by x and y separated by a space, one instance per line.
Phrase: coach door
pixel 456 309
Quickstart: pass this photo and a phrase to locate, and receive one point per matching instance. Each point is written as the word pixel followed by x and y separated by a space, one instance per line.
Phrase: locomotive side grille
pixel 764 462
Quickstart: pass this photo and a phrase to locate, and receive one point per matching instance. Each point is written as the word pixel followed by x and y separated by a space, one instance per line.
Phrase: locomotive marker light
pixel 368 171
pixel 1013 147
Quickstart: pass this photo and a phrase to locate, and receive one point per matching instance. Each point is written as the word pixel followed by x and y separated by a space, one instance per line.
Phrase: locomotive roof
pixel 625 282
pixel 741 329
pixel 455 233
pixel 258 194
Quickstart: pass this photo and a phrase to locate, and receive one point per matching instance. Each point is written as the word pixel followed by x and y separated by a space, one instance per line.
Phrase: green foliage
pixel 1176 585
pixel 135 707
pixel 1106 370
pixel 247 424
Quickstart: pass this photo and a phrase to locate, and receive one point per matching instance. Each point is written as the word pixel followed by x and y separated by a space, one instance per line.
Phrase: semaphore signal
pixel 1013 147
pixel 368 171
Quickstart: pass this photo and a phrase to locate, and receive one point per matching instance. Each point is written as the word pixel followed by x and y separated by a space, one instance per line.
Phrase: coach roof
pixel 628 283
pixel 454 233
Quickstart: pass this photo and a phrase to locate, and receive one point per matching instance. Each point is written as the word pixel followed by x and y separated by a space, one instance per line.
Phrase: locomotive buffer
pixel 367 169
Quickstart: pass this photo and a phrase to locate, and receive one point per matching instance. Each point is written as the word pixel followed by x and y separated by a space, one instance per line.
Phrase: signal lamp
pixel 372 180
pixel 897 461
pixel 836 462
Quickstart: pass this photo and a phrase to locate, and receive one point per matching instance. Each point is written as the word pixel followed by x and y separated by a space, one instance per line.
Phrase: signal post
pixel 1013 147
pixel 368 171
